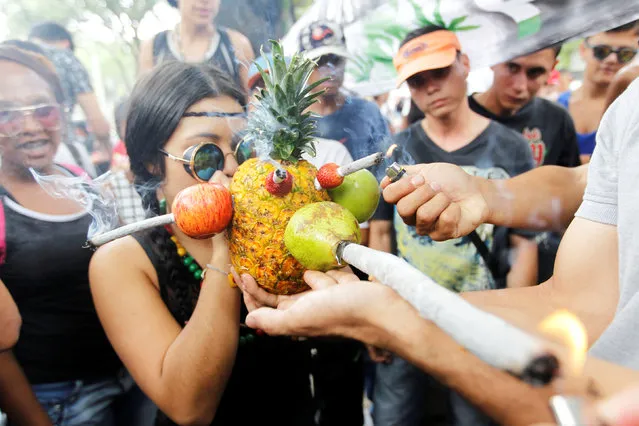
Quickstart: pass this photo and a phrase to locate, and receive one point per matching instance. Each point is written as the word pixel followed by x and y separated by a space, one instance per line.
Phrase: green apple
pixel 314 231
pixel 359 193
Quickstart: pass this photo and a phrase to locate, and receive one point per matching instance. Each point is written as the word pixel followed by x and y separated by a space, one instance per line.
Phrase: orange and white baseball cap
pixel 426 52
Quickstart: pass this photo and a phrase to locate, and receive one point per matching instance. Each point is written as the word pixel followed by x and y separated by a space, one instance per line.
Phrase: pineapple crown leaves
pixel 279 123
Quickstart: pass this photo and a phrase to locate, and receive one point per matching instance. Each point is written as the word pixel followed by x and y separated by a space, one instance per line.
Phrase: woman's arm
pixel 10 320
pixel 17 400
pixel 183 370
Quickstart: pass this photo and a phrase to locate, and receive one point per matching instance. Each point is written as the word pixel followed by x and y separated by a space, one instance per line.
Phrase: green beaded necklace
pixel 188 261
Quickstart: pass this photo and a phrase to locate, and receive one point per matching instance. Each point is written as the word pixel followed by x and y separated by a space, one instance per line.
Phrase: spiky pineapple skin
pixel 260 219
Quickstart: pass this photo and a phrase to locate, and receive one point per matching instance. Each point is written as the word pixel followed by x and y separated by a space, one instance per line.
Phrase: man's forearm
pixel 503 397
pixel 16 397
pixel 500 395
pixel 543 199
pixel 523 307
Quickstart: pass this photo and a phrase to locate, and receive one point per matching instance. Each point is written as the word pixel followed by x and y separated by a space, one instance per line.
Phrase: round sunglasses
pixel 13 120
pixel 203 160
pixel 200 161
pixel 602 51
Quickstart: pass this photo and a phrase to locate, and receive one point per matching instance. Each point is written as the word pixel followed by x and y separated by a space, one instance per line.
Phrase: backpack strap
pixel 76 170
pixel 229 55
pixel 482 249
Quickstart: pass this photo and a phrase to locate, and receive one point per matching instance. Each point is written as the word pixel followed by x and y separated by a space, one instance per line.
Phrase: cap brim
pixel 327 50
pixel 431 61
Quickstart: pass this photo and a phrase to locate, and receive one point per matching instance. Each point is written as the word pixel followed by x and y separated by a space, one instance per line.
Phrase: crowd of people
pixel 137 334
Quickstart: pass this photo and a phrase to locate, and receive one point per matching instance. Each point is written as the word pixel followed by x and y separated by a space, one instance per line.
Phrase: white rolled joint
pixel 280 175
pixel 362 163
pixel 123 231
pixel 490 338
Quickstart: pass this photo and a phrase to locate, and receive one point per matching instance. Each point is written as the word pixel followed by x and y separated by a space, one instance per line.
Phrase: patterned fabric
pixel 75 81
pixel 73 75
pixel 129 202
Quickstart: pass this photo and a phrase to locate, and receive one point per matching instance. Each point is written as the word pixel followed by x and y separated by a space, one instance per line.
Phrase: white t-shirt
pixel 329 151
pixel 612 198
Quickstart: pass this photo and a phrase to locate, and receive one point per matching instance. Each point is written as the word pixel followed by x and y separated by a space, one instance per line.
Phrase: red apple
pixel 203 210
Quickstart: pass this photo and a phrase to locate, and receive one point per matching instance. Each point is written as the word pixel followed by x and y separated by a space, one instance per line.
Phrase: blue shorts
pixel 116 401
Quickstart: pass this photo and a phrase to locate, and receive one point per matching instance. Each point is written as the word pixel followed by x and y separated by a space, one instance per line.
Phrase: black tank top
pixel 223 56
pixel 47 273
pixel 269 383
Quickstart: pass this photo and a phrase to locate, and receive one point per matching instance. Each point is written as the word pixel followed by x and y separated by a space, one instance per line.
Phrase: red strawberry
pixel 328 177
pixel 279 182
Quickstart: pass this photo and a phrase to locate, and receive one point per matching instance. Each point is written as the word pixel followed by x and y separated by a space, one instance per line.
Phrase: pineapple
pixel 268 190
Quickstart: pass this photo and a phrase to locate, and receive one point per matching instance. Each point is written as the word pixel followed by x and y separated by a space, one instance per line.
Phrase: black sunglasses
pixel 245 149
pixel 200 161
pixel 203 160
pixel 602 51
pixel 330 59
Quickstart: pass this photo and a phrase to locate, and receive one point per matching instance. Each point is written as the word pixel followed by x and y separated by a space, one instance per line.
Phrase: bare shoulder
pixel 620 83
pixel 241 43
pixel 119 261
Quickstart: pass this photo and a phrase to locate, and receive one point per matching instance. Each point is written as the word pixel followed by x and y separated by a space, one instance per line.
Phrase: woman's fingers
pixel 259 295
pixel 221 178
pixel 250 302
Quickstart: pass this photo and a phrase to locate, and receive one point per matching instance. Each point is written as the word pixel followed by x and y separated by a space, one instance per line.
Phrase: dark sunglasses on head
pixel 13 120
pixel 602 51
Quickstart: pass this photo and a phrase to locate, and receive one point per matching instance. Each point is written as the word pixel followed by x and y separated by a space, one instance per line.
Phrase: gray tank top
pixel 221 53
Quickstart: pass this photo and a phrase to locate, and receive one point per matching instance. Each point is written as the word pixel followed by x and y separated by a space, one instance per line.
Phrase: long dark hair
pixel 156 107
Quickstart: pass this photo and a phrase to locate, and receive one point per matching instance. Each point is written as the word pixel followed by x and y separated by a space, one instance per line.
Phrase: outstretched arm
pixel 588 289
pixel 444 202
pixel 376 315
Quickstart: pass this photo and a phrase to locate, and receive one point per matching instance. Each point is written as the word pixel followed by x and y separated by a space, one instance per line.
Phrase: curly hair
pixel 155 109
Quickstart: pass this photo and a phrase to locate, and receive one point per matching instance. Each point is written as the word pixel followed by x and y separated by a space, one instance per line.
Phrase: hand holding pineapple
pixel 339 305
